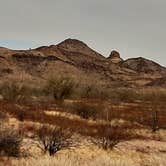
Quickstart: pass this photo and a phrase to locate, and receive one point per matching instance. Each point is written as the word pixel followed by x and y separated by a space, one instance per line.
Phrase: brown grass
pixel 95 157
pixel 76 125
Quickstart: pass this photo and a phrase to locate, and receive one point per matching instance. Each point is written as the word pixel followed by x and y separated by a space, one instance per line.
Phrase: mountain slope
pixel 143 65
pixel 76 58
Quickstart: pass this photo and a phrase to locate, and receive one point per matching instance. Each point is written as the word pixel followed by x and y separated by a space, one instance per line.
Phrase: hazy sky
pixel 133 27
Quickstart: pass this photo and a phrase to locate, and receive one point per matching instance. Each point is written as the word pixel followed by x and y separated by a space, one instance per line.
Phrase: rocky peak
pixel 77 47
pixel 72 43
pixel 115 57
pixel 114 54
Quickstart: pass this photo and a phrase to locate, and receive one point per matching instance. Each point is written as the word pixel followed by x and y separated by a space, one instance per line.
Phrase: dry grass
pixel 89 154
pixel 111 120
pixel 81 126
pixel 93 156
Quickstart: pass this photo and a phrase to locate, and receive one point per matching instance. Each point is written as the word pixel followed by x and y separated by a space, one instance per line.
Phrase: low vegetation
pixel 85 110
pixel 64 109
pixel 3 117
pixel 60 87
pixel 53 139
pixel 111 135
pixel 14 91
pixel 92 90
pixel 10 142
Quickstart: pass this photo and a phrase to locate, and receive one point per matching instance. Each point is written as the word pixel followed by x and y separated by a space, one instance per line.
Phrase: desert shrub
pixel 86 110
pixel 154 102
pixel 20 115
pixel 106 113
pixel 154 121
pixel 14 91
pixel 59 87
pixel 10 142
pixel 53 139
pixel 93 91
pixel 15 110
pixel 3 116
pixel 109 136
pixel 123 95
pixel 154 118
pixel 154 96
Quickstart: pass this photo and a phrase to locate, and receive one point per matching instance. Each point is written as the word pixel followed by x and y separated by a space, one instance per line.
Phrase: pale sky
pixel 133 27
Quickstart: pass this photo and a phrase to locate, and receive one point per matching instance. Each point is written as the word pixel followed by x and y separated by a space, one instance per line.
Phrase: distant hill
pixel 77 58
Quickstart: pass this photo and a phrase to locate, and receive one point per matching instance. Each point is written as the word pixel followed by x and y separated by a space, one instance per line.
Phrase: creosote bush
pixel 110 136
pixel 85 110
pixel 123 95
pixel 93 91
pixel 10 142
pixel 60 87
pixel 154 101
pixel 53 139
pixel 14 91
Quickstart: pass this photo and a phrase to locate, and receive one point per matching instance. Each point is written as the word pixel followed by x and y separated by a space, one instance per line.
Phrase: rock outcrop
pixel 115 57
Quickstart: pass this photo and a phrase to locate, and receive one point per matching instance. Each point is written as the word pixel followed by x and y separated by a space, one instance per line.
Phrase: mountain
pixel 78 59
pixel 142 65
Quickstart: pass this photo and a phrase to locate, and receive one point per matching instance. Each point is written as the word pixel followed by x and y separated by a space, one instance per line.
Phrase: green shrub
pixel 59 87
pixel 14 91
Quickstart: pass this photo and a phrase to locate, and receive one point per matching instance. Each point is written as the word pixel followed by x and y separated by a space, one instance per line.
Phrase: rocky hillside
pixel 76 58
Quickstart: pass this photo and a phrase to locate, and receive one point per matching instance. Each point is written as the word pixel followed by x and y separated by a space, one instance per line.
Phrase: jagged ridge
pixel 75 57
